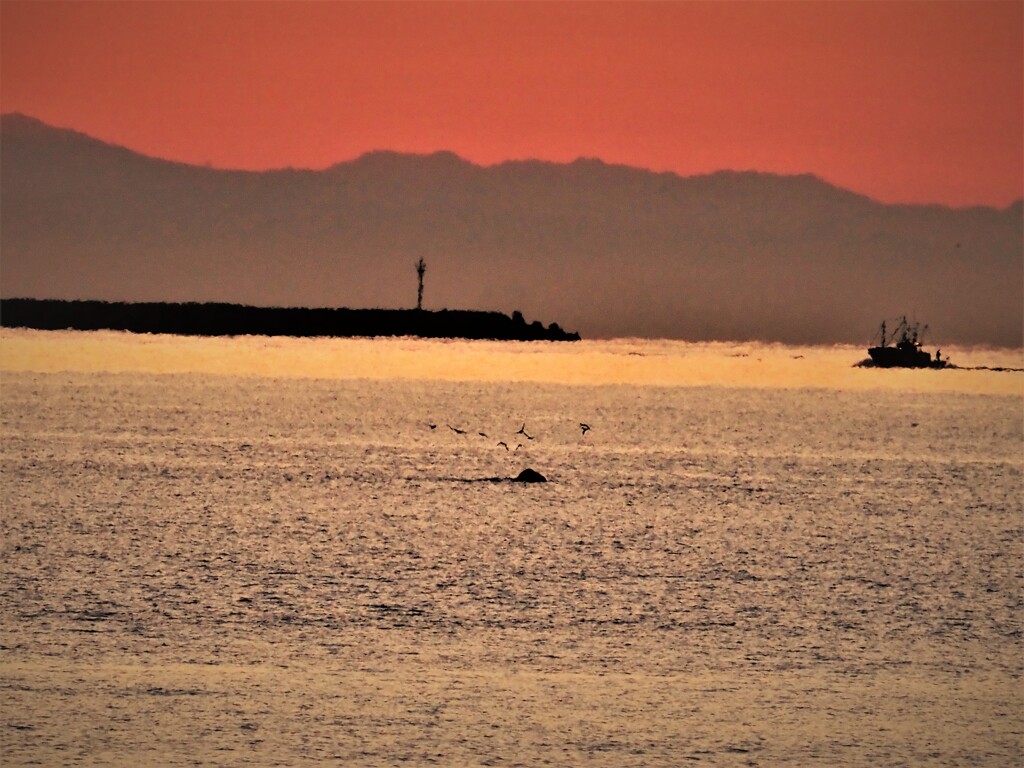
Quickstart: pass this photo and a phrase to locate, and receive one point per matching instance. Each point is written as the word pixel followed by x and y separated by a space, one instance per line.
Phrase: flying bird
pixel 584 428
pixel 522 431
pixel 456 430
pixel 503 444
pixel 432 426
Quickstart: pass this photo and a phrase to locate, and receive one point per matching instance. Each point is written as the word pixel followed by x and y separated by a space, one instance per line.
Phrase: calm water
pixel 235 569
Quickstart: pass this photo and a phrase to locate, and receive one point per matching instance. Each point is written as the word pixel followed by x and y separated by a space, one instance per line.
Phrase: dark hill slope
pixel 609 250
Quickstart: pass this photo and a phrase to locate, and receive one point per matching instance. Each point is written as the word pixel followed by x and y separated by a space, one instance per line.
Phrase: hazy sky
pixel 906 102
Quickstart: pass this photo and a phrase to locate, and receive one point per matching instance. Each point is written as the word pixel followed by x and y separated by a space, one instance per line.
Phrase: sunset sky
pixel 906 102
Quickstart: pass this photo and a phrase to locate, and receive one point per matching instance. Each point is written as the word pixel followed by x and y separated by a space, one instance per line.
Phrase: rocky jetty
pixel 195 319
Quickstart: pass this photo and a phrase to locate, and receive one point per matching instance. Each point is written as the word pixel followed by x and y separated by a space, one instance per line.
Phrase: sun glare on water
pixel 625 361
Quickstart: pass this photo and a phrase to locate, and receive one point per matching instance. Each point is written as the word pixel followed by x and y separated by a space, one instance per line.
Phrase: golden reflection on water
pixel 633 362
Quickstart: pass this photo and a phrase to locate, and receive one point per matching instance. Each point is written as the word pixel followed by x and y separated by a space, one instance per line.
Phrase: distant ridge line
pixel 221 319
pixel 28 125
pixel 19 122
pixel 610 250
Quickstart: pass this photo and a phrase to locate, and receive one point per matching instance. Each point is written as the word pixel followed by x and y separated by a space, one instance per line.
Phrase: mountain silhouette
pixel 610 250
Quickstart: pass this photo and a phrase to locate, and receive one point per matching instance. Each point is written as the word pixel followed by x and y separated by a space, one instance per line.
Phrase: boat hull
pixel 896 357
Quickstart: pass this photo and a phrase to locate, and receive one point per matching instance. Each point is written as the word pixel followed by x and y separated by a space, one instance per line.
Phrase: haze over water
pixel 251 551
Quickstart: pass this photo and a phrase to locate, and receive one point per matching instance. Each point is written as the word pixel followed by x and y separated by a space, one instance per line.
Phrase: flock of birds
pixel 584 428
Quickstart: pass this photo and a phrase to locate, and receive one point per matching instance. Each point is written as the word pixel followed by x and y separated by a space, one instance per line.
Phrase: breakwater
pixel 214 319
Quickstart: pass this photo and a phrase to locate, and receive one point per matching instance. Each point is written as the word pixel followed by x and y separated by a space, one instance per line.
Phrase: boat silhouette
pixel 903 349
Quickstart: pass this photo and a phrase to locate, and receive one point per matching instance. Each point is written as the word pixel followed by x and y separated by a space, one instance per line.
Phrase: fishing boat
pixel 903 349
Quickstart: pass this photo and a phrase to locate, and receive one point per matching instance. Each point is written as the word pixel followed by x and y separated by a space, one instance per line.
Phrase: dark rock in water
pixel 529 476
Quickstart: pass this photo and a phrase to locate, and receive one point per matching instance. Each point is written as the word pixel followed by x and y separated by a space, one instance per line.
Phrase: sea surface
pixel 252 552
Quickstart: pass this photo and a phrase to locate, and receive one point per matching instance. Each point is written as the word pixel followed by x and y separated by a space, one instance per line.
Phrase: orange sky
pixel 919 101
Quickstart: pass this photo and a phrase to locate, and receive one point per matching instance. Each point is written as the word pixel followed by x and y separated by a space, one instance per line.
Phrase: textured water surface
pixel 230 570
